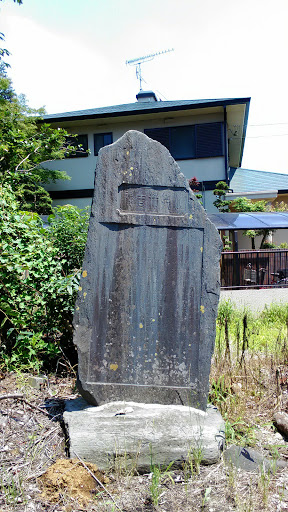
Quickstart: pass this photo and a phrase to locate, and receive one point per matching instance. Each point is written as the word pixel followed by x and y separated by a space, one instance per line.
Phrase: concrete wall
pixel 256 300
pixel 279 236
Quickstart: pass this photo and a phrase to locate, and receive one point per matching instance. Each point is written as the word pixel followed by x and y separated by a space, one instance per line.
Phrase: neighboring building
pixel 258 185
pixel 206 138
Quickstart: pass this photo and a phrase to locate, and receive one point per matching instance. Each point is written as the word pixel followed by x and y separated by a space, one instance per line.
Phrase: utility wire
pixel 258 136
pixel 160 93
pixel 266 124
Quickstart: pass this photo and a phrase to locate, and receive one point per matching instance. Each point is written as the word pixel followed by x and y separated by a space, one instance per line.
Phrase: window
pixel 81 144
pixel 193 141
pixel 209 140
pixel 182 142
pixel 101 140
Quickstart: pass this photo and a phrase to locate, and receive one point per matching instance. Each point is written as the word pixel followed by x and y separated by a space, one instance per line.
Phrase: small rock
pixel 281 422
pixel 3 421
pixel 38 382
pixel 251 460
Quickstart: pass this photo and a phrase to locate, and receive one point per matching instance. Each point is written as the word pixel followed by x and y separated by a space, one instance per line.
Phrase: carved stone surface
pixel 145 313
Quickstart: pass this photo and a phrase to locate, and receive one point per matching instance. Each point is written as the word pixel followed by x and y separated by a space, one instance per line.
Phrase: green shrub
pixel 68 233
pixel 37 295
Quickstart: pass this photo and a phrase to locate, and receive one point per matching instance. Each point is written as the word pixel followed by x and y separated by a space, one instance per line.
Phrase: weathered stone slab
pixel 145 314
pixel 135 435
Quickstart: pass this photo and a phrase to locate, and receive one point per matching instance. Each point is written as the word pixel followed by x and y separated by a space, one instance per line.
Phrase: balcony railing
pixel 257 269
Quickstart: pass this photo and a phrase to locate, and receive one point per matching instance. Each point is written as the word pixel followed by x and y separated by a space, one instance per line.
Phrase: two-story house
pixel 206 138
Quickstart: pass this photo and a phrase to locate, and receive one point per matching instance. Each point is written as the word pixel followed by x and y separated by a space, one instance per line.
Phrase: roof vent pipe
pixel 145 96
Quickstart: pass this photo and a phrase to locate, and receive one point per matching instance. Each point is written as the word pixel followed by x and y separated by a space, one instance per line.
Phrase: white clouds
pixel 52 69
pixel 71 55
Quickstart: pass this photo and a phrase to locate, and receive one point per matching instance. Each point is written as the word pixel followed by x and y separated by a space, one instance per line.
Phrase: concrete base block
pixel 135 435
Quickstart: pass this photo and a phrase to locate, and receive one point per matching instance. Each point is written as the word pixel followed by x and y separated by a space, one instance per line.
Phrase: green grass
pixel 250 357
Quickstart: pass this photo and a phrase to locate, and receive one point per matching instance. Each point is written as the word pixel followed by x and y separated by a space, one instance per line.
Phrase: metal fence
pixel 257 269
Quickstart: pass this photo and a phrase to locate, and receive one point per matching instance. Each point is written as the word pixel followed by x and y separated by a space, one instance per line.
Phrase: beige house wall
pixel 82 170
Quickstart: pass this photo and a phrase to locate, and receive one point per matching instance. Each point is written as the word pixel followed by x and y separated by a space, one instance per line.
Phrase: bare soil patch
pixel 69 476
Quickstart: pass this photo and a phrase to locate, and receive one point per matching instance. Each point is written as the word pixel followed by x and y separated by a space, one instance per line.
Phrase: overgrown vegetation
pixel 68 227
pixel 39 267
pixel 39 276
pixel 248 384
pixel 249 368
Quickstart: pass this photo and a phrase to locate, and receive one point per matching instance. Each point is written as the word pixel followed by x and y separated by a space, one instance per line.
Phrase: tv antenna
pixel 141 60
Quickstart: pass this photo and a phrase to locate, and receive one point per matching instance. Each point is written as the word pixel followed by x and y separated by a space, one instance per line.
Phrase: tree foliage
pixel 3 53
pixel 220 191
pixel 242 204
pixel 39 268
pixel 26 145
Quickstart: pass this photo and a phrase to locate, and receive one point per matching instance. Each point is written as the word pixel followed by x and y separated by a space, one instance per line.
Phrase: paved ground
pixel 256 299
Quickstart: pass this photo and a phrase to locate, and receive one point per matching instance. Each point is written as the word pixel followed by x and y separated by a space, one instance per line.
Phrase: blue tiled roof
pixel 143 107
pixel 248 180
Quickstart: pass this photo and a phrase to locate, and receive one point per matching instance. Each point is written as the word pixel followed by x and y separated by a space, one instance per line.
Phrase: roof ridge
pixel 144 106
pixel 258 170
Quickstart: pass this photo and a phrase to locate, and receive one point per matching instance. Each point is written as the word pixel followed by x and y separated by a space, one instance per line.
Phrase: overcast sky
pixel 70 55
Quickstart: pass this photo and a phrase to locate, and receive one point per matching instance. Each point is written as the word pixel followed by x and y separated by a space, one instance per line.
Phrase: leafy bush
pixel 68 233
pixel 37 295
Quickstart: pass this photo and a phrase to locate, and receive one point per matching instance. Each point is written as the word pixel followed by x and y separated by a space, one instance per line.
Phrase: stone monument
pixel 147 303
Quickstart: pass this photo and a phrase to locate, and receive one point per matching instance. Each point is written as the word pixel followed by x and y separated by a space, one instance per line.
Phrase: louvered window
pixel 209 139
pixel 101 140
pixel 193 141
pixel 162 135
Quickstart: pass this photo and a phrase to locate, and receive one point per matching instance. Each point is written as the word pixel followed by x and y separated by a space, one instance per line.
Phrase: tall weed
pixel 248 367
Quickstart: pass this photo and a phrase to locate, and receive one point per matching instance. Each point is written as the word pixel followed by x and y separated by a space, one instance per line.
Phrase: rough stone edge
pixel 208 454
pixel 210 293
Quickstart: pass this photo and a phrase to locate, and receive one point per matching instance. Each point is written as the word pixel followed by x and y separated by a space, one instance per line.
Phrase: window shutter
pixel 182 142
pixel 209 140
pixel 159 134
pixel 101 140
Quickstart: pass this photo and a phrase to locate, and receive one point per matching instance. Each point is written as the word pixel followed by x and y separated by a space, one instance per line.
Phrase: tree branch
pixel 21 397
pixel 26 158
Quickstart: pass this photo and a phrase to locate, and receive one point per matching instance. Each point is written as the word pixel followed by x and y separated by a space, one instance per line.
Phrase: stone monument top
pixel 146 308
